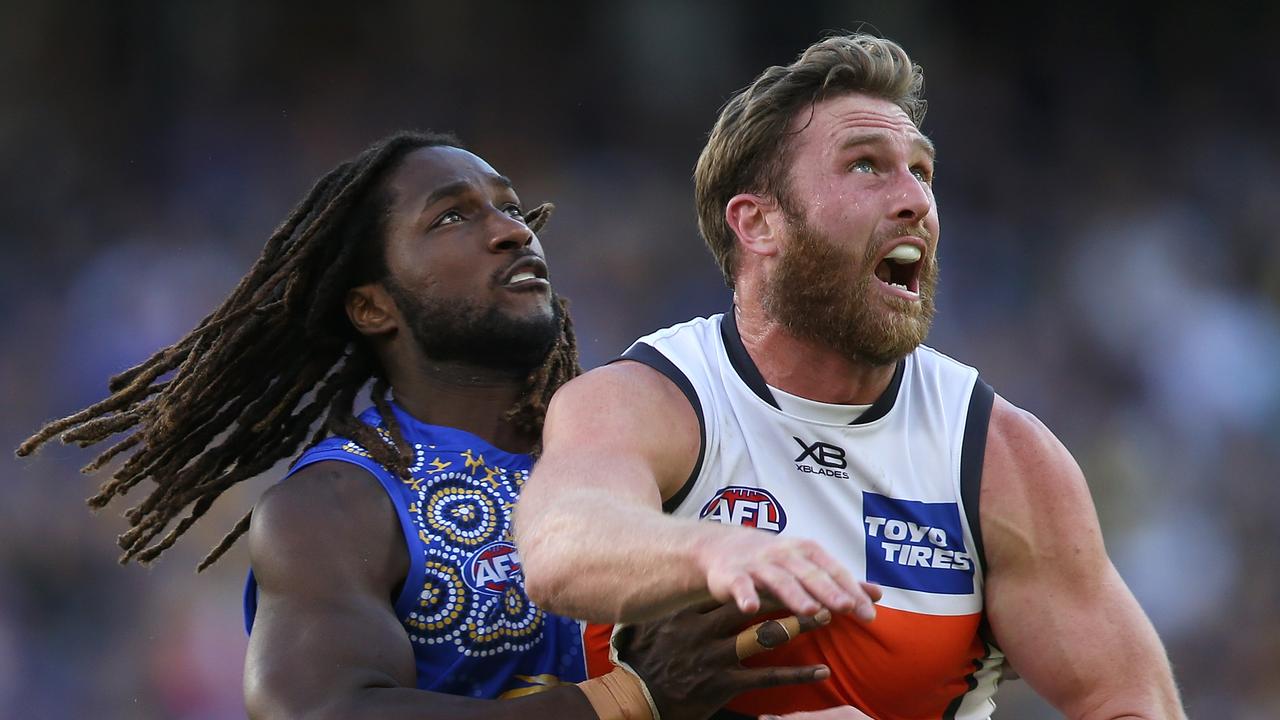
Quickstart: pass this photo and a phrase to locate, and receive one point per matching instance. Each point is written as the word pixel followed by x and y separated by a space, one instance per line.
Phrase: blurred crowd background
pixel 1109 185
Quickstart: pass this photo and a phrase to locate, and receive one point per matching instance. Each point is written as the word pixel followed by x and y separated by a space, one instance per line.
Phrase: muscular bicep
pixel 624 429
pixel 1056 604
pixel 616 442
pixel 327 553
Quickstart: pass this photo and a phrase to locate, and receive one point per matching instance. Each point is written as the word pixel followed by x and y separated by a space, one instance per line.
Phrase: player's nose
pixel 507 233
pixel 910 198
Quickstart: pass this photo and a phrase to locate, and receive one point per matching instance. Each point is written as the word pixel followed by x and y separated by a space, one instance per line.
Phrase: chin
pixel 534 314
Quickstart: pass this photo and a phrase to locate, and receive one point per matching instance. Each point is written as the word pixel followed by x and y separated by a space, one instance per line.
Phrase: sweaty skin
pixel 621 439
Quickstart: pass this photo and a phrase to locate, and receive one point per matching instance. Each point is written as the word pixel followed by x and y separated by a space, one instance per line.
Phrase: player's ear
pixel 756 220
pixel 371 310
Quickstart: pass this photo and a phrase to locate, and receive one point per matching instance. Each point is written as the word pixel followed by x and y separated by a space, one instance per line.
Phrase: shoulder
pixel 622 394
pixel 329 517
pixel 927 354
pixel 698 329
pixel 625 411
pixel 1023 452
pixel 1020 437
pixel 1034 496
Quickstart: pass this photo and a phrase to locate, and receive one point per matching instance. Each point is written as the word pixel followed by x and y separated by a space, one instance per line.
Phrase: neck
pixel 464 397
pixel 805 368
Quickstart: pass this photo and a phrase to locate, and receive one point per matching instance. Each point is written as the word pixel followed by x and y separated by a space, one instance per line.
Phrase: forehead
pixel 427 170
pixel 835 119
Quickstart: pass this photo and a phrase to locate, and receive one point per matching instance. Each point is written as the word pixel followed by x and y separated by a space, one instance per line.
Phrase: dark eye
pixel 449 218
pixel 514 211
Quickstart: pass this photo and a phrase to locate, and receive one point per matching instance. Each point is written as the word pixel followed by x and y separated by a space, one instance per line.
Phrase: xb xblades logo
pixel 830 457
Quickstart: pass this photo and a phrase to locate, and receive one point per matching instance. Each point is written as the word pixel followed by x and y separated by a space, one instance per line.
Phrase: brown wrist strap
pixel 617 696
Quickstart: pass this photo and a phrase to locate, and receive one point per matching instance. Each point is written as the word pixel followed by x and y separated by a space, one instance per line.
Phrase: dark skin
pixel 325 544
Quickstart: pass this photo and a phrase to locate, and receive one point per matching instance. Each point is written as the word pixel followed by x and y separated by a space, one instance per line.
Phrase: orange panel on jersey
pixel 595 644
pixel 902 666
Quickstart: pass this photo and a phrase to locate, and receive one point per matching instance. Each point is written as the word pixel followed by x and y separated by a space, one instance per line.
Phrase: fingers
pixel 860 600
pixel 806 578
pixel 770 634
pixel 800 574
pixel 820 584
pixel 765 636
pixel 784 586
pixel 710 606
pixel 815 621
pixel 727 617
pixel 743 592
pixel 769 603
pixel 872 590
pixel 767 677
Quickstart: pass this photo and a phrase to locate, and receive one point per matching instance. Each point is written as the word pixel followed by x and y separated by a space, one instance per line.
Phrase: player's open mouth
pixel 528 272
pixel 899 269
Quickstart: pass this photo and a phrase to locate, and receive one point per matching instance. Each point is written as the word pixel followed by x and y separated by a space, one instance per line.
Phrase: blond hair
pixel 749 145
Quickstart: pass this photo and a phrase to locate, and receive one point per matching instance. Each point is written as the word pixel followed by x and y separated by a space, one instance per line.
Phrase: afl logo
pixel 492 568
pixel 750 507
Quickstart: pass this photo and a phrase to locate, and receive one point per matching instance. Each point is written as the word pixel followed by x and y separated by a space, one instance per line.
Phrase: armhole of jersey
pixel 648 355
pixel 972 451
pixel 403 598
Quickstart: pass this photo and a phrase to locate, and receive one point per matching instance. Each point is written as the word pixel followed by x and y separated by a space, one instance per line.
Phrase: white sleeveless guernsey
pixel 892 495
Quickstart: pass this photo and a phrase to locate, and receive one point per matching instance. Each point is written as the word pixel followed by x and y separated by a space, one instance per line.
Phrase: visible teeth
pixel 519 277
pixel 904 253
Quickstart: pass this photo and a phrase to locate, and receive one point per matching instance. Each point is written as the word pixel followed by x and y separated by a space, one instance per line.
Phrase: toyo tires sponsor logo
pixel 916 545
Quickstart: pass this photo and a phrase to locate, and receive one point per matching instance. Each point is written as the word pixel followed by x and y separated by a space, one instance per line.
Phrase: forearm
pixel 1163 708
pixel 396 703
pixel 592 556
pixel 1150 696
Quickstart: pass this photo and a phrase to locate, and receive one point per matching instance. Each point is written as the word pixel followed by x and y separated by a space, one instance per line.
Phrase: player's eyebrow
pixel 877 138
pixel 502 180
pixel 460 187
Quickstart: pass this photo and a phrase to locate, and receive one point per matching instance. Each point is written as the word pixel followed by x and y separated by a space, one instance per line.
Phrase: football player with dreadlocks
pixel 384 580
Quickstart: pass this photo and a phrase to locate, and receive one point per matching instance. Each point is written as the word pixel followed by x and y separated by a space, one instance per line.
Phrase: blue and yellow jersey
pixel 463 605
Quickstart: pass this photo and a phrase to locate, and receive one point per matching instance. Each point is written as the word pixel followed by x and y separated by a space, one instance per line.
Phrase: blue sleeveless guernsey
pixel 463 605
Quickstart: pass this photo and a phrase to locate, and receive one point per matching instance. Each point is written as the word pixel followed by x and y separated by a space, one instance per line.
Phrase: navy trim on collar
pixel 746 368
pixel 884 403
pixel 741 361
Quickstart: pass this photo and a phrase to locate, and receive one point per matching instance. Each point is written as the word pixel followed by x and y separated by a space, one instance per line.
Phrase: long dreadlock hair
pixel 245 388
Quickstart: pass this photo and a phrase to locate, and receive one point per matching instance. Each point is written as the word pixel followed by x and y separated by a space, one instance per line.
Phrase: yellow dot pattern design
pixel 457 512
pixel 442 601
pixel 465 516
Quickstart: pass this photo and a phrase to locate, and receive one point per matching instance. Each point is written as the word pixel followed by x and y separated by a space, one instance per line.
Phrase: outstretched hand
pixel 742 565
pixel 691 661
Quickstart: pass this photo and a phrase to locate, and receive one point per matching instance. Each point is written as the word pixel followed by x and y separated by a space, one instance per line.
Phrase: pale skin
pixel 620 439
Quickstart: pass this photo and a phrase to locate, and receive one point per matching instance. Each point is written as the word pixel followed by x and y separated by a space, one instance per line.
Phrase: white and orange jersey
pixel 892 495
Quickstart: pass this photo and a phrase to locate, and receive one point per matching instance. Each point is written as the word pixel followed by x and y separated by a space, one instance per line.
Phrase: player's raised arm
pixel 1058 608
pixel 595 544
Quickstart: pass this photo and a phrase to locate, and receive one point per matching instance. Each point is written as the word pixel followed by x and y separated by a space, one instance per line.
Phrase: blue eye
pixel 863 166
pixel 923 174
